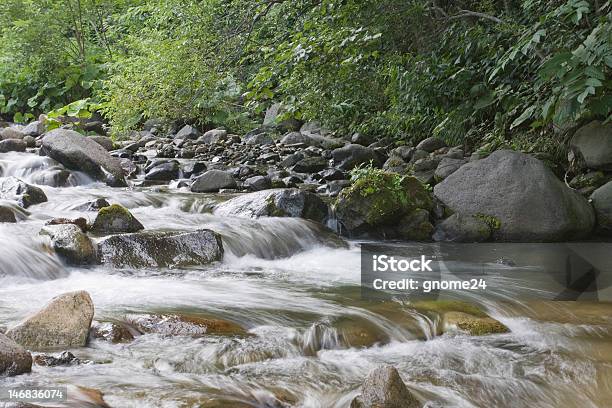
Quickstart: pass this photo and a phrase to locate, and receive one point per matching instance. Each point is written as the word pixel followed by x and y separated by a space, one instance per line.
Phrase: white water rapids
pixel 289 284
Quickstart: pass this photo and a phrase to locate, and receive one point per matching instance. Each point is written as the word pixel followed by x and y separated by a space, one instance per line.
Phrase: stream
pixel 294 289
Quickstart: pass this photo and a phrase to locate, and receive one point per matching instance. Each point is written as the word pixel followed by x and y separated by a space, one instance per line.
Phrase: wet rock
pixel 12 188
pixel 188 132
pixel 12 145
pixel 447 167
pixel 473 325
pixel 64 322
pixel 112 332
pixel 352 155
pixel 275 203
pixel 296 138
pixel 384 388
pixel 14 359
pixel 591 145
pixel 258 139
pixel 193 168
pixel 310 165
pixel 65 358
pixel 79 222
pixel 77 152
pixel 115 219
pixel 129 168
pixel 183 325
pixel 11 133
pixel 7 214
pixel 462 228
pixel 161 249
pixel 71 244
pixel 212 181
pixel 602 201
pixel 258 183
pixel 521 196
pixel 164 172
pixel 35 128
pixel 431 144
pixel 93 205
pixel 29 141
pixel 54 177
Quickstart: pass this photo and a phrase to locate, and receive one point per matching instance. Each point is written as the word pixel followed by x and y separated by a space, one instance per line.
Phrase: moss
pixel 114 211
pixel 273 210
pixel 476 326
pixel 444 306
pixel 493 222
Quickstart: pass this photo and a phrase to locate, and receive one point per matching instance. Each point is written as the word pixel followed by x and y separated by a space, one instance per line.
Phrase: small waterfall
pixel 40 170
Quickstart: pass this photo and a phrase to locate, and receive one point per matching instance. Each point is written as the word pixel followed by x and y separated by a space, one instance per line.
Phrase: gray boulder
pixel 213 181
pixel 592 145
pixel 71 244
pixel 213 136
pixel 104 141
pixel 11 188
pixel 11 133
pixel 275 203
pixel 12 145
pixel 258 183
pixel 187 132
pixel 431 144
pixel 164 172
pixel 519 194
pixel 602 201
pixel 64 322
pixel 115 219
pixel 161 249
pixel 295 138
pixel 384 388
pixel 14 359
pixel 352 155
pixel 291 160
pixel 35 128
pixel 462 228
pixel 78 152
pixel 258 139
pixel 447 167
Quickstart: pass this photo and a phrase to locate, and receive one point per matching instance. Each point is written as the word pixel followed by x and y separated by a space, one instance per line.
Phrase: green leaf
pixel 523 117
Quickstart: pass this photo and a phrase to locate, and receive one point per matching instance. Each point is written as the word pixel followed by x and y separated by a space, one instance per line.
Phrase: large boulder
pixel 161 249
pixel 81 153
pixel 213 181
pixel 289 202
pixel 462 228
pixel 115 219
pixel 12 188
pixel 384 388
pixel 12 145
pixel 602 201
pixel 64 322
pixel 592 145
pixel 14 359
pixel 352 155
pixel 520 196
pixel 71 244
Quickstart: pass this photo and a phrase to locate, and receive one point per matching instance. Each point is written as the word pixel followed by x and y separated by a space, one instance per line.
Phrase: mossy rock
pixel 115 219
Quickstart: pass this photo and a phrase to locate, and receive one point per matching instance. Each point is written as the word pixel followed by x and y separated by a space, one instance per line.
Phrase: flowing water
pixel 296 291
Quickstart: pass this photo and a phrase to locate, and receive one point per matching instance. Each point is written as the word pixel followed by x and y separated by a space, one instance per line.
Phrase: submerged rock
pixel 112 332
pixel 115 219
pixel 12 188
pixel 384 388
pixel 71 244
pixel 275 203
pixel 64 322
pixel 462 228
pixel 65 358
pixel 521 196
pixel 81 153
pixel 14 359
pixel 161 249
pixel 183 325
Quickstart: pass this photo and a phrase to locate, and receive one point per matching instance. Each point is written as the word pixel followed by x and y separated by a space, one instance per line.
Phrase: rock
pixel 94 126
pixel 427 163
pixel 519 195
pixel 310 128
pixel 164 172
pixel 592 145
pixel 11 133
pixel 63 323
pixel 29 141
pixel 589 182
pixel 12 188
pixel 384 388
pixel 79 222
pixel 14 359
pixel 352 155
pixel 291 160
pixel 115 219
pixel 473 325
pixel 602 201
pixel 187 132
pixel 161 249
pixel 258 183
pixel 362 139
pixel 431 144
pixel 7 214
pixel 462 228
pixel 275 203
pixel 77 152
pixel 213 136
pixel 395 164
pixel 310 165
pixel 414 226
pixel 112 332
pixel 35 128
pixel 379 201
pixel 71 244
pixel 104 141
pixel 258 139
pixel 332 174
pixel 447 167
pixel 193 168
pixel 12 145
pixel 66 358
pixel 212 181
pixel 296 138
pixel 183 325
pixel 93 205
